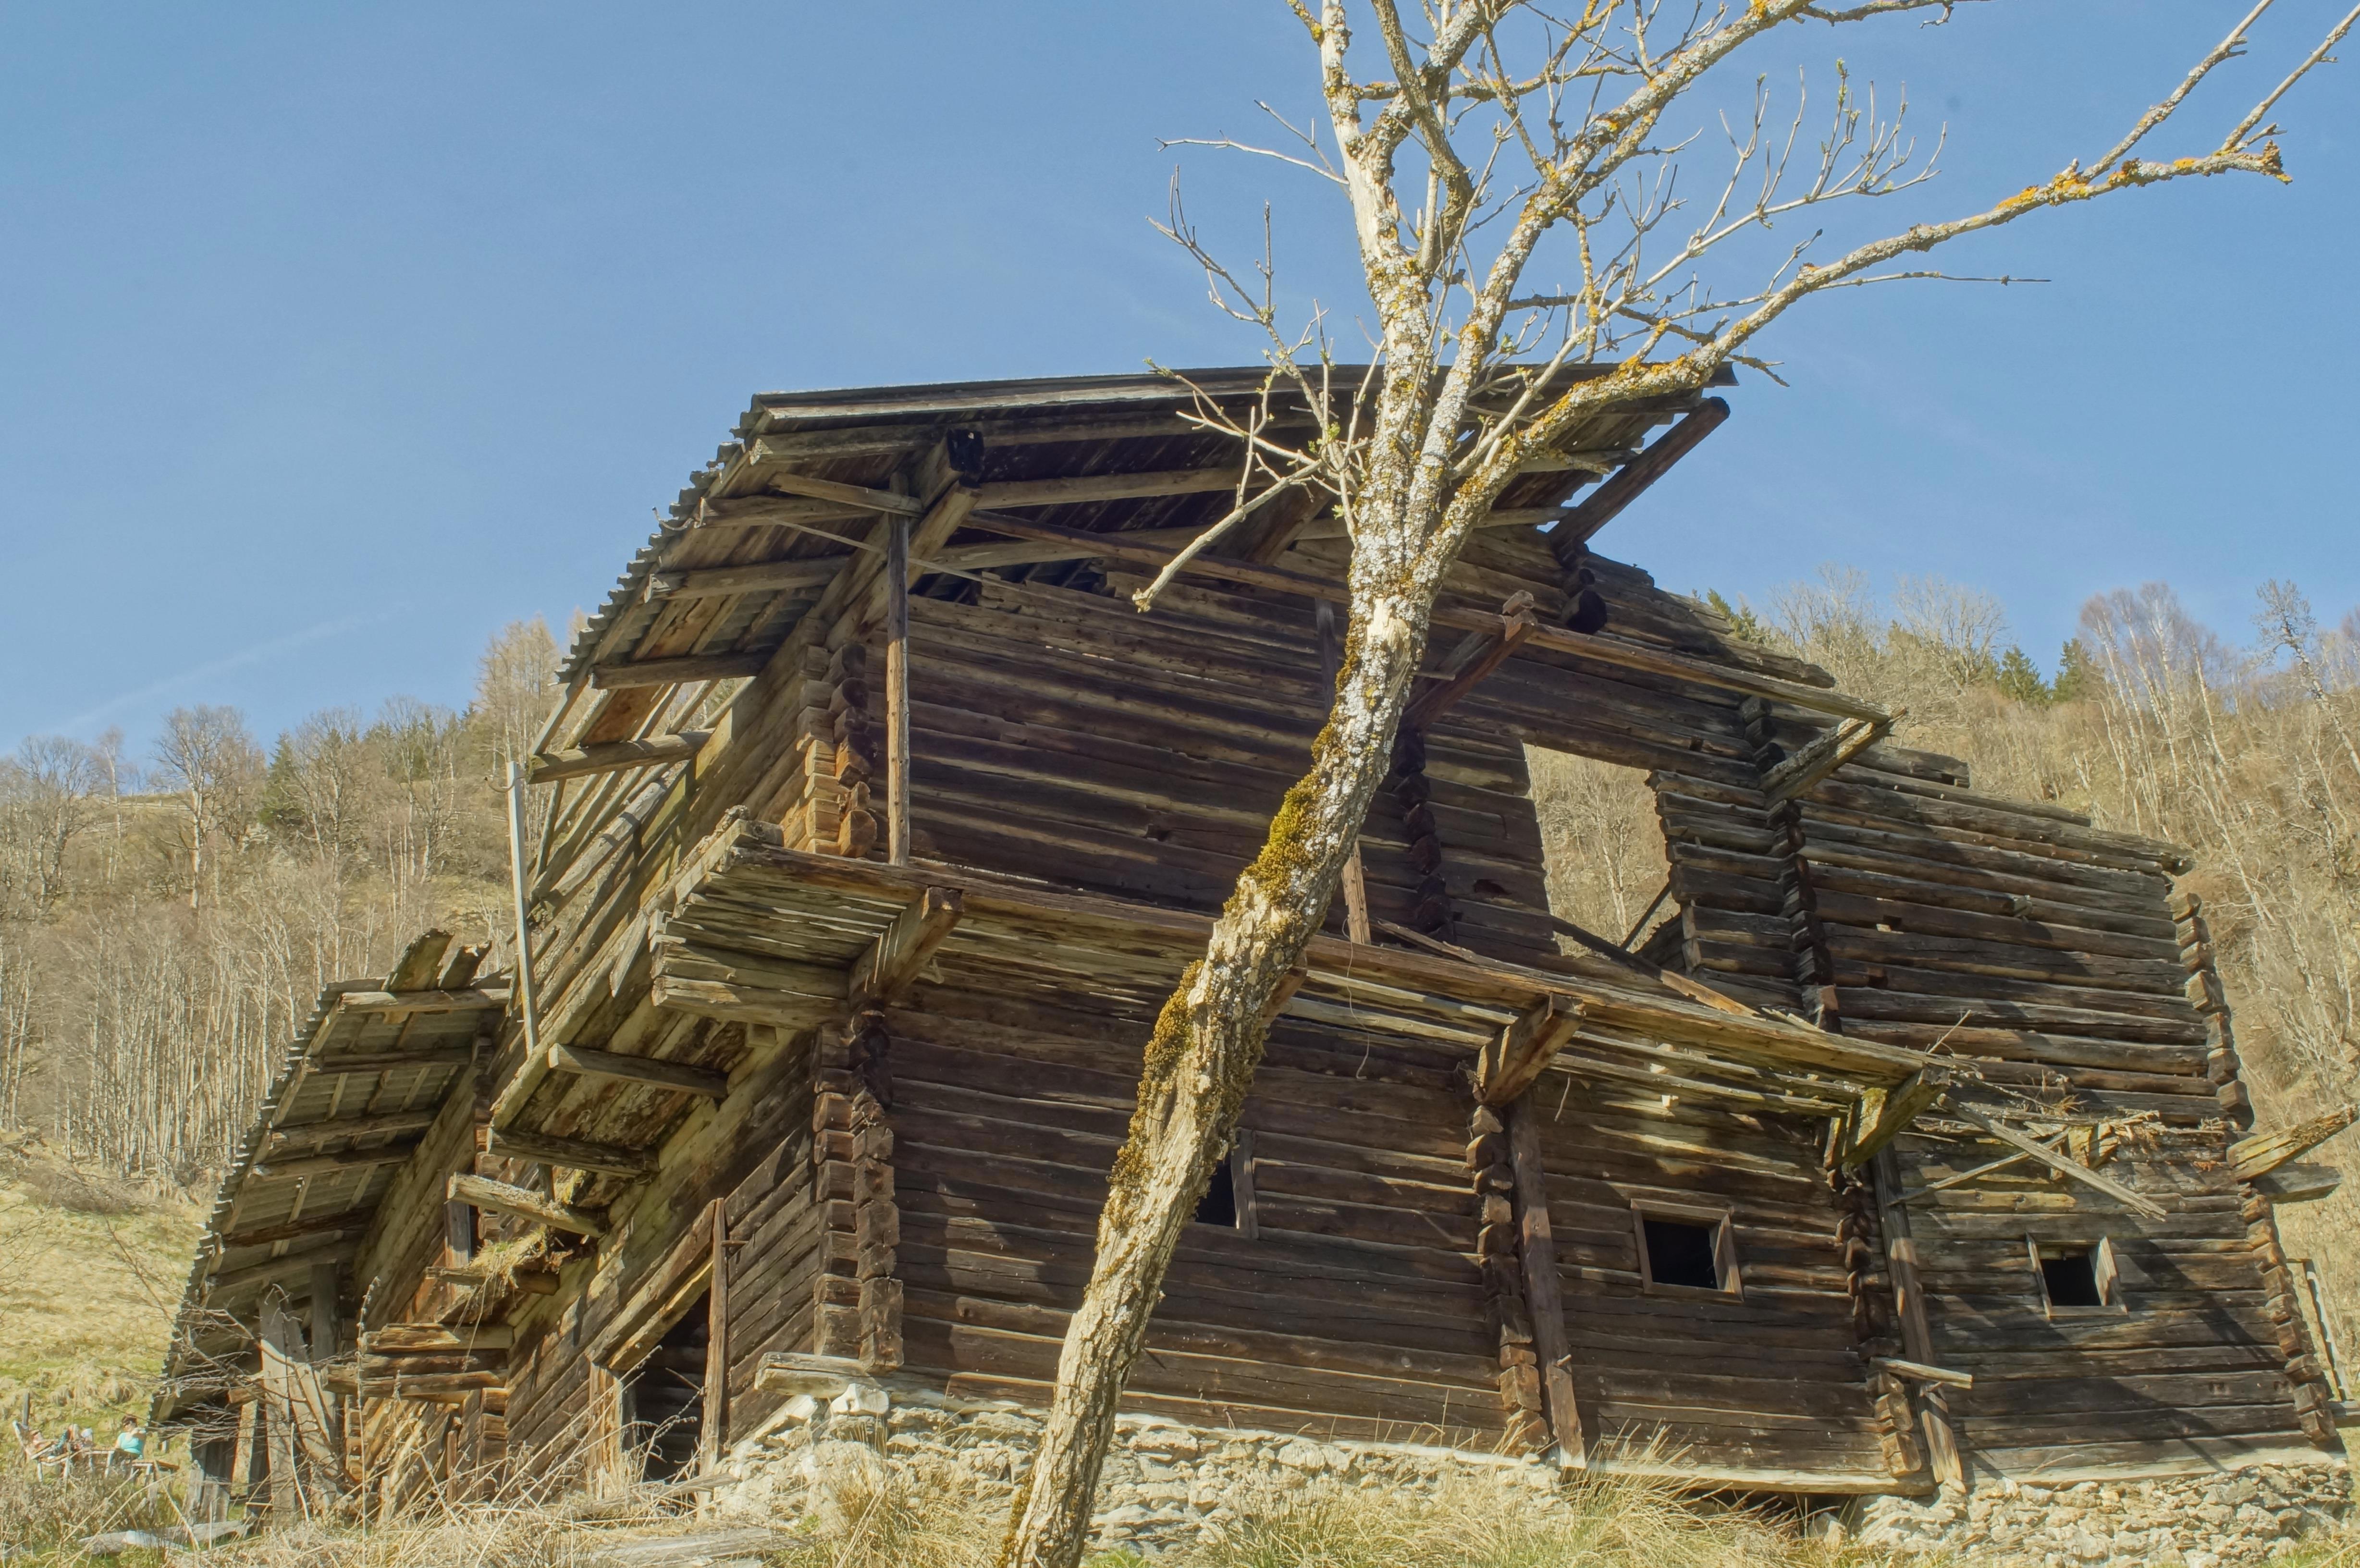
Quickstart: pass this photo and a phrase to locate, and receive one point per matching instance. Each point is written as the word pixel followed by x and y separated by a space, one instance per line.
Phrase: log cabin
pixel 1907 1148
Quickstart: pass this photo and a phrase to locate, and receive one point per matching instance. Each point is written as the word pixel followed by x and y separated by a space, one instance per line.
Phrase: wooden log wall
pixel 2016 934
pixel 1771 1383
pixel 1356 1308
pixel 2312 1391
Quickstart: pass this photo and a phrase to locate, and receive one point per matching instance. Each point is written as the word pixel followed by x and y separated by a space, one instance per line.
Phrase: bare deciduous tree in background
pixel 206 757
pixel 1476 143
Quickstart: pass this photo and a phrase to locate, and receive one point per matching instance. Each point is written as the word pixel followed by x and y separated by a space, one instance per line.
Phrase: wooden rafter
pixel 1477 657
pixel 500 1198
pixel 615 755
pixel 587 1063
pixel 1631 480
pixel 1848 739
pixel 574 1154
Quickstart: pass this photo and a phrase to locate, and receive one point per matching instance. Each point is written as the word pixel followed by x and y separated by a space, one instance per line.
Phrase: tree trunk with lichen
pixel 1209 1040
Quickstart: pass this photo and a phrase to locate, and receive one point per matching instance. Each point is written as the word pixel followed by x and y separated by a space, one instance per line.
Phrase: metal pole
pixel 516 879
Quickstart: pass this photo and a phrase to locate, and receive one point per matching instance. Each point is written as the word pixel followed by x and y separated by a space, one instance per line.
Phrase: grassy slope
pixel 86 1298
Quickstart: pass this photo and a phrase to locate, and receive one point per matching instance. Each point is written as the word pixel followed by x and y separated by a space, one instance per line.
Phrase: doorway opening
pixel 663 1401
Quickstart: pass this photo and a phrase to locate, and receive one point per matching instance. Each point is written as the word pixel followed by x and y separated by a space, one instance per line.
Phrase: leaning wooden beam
pixel 614 755
pixel 1598 649
pixel 1884 1113
pixel 677 671
pixel 574 1154
pixel 500 1198
pixel 590 1063
pixel 1522 1051
pixel 2265 1152
pixel 1822 756
pixel 1909 1305
pixel 2062 1166
pixel 1468 666
pixel 1544 1291
pixel 1631 480
pixel 893 962
pixel 392 1060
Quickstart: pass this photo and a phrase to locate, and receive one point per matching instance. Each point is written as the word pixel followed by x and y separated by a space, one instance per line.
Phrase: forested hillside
pixel 167 920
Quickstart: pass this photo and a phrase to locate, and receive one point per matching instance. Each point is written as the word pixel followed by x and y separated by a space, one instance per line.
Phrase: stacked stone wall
pixel 1167 1486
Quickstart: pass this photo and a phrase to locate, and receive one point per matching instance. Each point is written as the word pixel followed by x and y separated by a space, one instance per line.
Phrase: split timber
pixel 802 1092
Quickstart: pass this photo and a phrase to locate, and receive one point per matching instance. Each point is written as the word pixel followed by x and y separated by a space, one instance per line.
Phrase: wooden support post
pixel 897 689
pixel 1916 1334
pixel 1544 1292
pixel 714 1433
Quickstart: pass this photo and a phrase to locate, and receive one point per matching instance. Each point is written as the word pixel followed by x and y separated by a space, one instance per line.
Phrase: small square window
pixel 1684 1250
pixel 2076 1278
pixel 1229 1194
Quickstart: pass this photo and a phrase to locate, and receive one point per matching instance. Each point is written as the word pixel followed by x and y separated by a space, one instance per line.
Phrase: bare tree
pixel 512 690
pixel 48 795
pixel 1422 142
pixel 207 758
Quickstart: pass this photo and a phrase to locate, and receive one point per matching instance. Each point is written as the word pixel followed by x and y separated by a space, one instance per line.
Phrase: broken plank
pixel 574 1154
pixel 2265 1152
pixel 894 960
pixel 2058 1163
pixel 1519 1053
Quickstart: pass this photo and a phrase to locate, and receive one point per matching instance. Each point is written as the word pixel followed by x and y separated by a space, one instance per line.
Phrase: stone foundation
pixel 1167 1484
pixel 2192 1521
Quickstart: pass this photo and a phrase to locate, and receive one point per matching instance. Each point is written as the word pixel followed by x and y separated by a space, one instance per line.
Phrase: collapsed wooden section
pixel 884 824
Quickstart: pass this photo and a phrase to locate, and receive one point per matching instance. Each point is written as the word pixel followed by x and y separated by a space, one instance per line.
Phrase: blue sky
pixel 332 338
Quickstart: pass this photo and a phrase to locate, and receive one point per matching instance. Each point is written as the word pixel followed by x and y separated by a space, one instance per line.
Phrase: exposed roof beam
pixel 1883 1114
pixel 289 1230
pixel 1522 1051
pixel 856 495
pixel 486 998
pixel 614 755
pixel 390 1061
pixel 1468 664
pixel 331 1164
pixel 379 1122
pixel 2265 1152
pixel 1604 650
pixel 500 1198
pixel 608 1160
pixel 646 1070
pixel 1081 489
pixel 677 671
pixel 1603 505
pixel 893 962
pixel 1824 755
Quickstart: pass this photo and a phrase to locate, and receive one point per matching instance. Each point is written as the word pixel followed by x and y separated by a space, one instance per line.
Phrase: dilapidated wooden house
pixel 1910 1147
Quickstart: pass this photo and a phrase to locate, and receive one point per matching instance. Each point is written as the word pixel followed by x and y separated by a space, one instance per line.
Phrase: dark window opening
pixel 2072 1280
pixel 1219 1206
pixel 1681 1252
pixel 663 1401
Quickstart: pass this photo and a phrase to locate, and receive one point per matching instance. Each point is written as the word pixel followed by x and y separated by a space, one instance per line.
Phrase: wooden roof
pixel 370 1071
pixel 747 547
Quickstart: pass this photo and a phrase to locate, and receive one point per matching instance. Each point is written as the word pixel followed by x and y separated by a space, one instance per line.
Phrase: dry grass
pixel 87 1290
